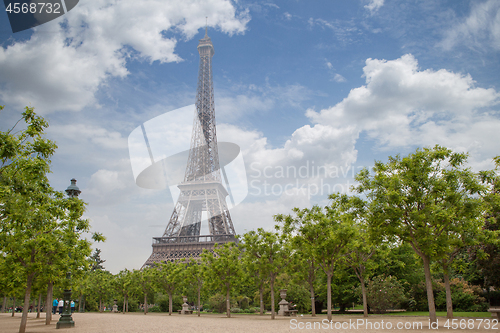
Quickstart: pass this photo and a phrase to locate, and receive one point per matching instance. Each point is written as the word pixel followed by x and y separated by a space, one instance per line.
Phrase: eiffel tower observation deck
pixel 202 197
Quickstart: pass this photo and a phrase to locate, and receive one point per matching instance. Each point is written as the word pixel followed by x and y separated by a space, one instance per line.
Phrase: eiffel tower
pixel 202 195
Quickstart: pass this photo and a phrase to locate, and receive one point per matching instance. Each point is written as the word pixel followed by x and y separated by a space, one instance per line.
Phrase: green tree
pixel 145 279
pixel 124 285
pixel 304 268
pixel 96 261
pixel 487 254
pixel 38 225
pixel 271 255
pixel 420 199
pixel 100 286
pixel 303 264
pixel 194 276
pixel 328 232
pixel 168 279
pixel 255 270
pixel 223 269
pixel 362 248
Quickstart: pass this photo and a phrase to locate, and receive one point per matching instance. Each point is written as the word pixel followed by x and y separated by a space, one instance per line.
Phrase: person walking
pixel 61 305
pixel 55 303
pixel 72 306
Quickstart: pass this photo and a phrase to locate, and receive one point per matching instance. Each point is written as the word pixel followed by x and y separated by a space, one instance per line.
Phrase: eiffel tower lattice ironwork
pixel 202 194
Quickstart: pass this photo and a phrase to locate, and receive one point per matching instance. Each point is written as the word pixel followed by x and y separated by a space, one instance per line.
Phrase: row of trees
pixel 429 202
pixel 41 230
pixel 420 218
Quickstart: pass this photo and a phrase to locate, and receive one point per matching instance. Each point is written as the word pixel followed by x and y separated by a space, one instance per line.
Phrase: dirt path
pixel 213 323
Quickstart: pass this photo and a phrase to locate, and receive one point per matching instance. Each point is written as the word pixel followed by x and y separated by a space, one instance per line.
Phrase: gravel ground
pixel 212 323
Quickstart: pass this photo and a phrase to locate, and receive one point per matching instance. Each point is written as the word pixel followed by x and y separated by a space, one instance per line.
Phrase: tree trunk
pixel 313 306
pixel 199 300
pixel 48 300
pixel 363 292
pixel 39 306
pixel 428 284
pixel 261 292
pixel 14 306
pixel 170 303
pixel 27 294
pixel 447 287
pixel 228 303
pixel 124 301
pixel 329 295
pixel 100 305
pixel 4 304
pixel 145 303
pixel 273 315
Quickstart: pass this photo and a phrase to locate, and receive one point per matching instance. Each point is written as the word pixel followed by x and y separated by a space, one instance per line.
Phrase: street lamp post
pixel 66 321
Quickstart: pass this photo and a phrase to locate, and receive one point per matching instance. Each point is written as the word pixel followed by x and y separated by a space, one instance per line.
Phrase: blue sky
pixel 329 84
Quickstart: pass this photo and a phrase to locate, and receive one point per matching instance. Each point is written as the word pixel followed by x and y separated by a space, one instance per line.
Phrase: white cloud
pixel 374 6
pixel 287 16
pixel 344 30
pixel 335 76
pixel 83 133
pixel 320 155
pixel 402 106
pixel 272 5
pixel 481 29
pixel 252 215
pixel 230 107
pixel 61 68
pixel 112 185
pixel 339 78
pixel 244 100
pixel 117 249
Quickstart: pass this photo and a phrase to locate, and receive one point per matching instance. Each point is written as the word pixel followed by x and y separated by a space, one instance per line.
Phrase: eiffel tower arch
pixel 202 196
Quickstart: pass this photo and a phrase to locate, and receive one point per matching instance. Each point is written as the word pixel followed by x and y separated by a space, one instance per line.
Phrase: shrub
pixel 418 296
pixel 155 308
pixel 235 310
pixel 384 293
pixel 217 303
pixel 162 301
pixel 464 297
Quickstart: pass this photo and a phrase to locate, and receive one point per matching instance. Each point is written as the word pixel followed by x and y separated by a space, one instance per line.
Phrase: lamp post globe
pixel 66 321
pixel 73 191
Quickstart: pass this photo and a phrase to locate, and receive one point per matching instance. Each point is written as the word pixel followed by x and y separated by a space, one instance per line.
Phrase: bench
pixel 289 313
pixel 185 311
pixel 495 311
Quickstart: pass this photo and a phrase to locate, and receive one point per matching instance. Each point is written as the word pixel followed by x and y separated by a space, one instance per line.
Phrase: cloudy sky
pixel 311 91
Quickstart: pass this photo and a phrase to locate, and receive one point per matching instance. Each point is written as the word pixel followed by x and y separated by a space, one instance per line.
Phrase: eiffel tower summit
pixel 202 197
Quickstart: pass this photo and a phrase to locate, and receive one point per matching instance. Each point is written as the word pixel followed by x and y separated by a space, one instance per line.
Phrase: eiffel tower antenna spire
pixel 202 197
pixel 206 26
